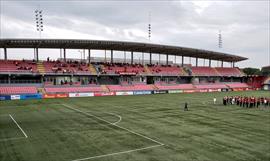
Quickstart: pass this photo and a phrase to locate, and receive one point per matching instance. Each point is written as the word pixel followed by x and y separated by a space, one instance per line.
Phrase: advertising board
pixel 124 93
pixel 141 92
pixel 175 91
pixel 81 94
pixel 104 93
pixel 15 97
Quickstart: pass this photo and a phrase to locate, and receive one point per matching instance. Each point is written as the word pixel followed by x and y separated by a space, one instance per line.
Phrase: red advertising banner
pixel 238 89
pixel 203 90
pixel 104 93
pixel 189 91
pixel 49 96
pixel 62 95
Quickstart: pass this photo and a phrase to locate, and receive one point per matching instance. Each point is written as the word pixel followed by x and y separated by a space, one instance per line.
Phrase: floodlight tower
pixel 149 27
pixel 219 39
pixel 39 21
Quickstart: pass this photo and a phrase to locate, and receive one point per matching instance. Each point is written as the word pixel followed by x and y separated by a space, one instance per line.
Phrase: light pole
pixel 39 21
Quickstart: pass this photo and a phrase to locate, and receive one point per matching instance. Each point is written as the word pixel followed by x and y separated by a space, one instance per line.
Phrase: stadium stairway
pixel 147 70
pixel 241 72
pixel 105 88
pixel 92 69
pixel 41 90
pixel 183 72
pixel 40 68
pixel 217 72
pixel 154 87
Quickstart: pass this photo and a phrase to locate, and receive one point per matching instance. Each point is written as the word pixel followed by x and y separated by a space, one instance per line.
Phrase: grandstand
pixel 148 126
pixel 64 76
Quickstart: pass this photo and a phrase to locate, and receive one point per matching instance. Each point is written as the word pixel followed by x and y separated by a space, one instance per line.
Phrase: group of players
pixel 244 101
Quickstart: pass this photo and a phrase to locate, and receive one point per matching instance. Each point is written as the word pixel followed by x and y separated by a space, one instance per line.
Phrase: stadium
pixel 169 103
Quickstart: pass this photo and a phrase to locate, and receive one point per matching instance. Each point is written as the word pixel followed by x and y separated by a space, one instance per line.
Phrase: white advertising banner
pixel 124 93
pixel 15 97
pixel 81 94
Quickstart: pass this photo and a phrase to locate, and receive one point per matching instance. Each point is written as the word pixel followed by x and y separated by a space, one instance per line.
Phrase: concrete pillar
pixel 111 56
pixel 142 58
pixel 125 57
pixel 182 61
pixel 37 57
pixel 105 56
pixel 196 62
pixel 131 57
pixel 89 56
pixel 167 59
pixel 233 64
pixel 222 64
pixel 9 79
pixel 209 62
pixel 158 58
pixel 65 55
pixel 150 58
pixel 5 53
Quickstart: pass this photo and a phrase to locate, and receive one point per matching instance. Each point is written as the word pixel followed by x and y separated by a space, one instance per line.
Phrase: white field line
pixel 15 138
pixel 21 106
pixel 120 118
pixel 117 153
pixel 18 126
pixel 133 132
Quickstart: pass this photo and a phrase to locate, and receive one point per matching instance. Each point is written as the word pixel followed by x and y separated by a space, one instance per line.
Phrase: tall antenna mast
pixel 219 39
pixel 149 27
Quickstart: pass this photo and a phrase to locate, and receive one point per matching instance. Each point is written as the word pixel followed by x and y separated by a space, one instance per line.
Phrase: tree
pixel 252 71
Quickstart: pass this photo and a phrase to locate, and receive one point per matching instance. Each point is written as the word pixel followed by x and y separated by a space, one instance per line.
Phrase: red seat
pixel 173 87
pixel 237 85
pixel 73 89
pixel 210 86
pixel 204 71
pixel 119 68
pixel 18 90
pixel 18 66
pixel 137 87
pixel 165 70
pixel 224 71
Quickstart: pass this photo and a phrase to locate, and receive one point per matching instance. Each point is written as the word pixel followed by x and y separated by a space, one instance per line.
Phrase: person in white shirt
pixel 214 100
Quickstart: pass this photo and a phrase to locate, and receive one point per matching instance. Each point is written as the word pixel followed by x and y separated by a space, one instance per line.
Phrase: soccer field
pixel 134 128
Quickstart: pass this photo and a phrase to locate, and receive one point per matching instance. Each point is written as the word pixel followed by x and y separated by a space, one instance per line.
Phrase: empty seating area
pixel 122 68
pixel 210 86
pixel 73 89
pixel 18 90
pixel 237 85
pixel 138 87
pixel 18 66
pixel 204 71
pixel 165 70
pixel 174 87
pixel 65 67
pixel 229 71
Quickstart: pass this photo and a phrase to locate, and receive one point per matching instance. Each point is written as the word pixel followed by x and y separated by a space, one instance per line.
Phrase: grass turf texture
pixel 206 132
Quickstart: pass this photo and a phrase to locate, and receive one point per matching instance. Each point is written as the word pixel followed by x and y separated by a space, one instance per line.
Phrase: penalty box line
pixel 123 128
pixel 117 153
pixel 18 126
pixel 146 137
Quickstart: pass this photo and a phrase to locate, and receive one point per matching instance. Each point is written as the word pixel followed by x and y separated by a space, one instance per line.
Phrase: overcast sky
pixel 244 24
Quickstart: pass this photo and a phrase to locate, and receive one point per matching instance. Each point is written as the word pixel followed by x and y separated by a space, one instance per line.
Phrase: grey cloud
pixel 244 25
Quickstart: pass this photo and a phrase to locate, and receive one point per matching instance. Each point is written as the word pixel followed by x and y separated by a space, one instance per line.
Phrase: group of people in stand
pixel 245 101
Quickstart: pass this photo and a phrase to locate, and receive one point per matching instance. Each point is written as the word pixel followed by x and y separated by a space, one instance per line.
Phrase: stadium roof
pixel 119 46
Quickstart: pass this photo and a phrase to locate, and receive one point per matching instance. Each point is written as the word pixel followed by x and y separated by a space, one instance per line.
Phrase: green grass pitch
pixel 134 128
